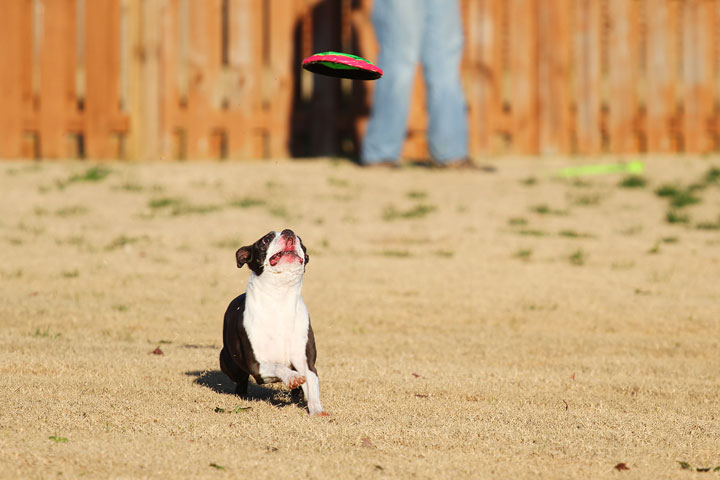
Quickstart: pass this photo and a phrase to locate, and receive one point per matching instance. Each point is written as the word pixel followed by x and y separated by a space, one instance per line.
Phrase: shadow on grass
pixel 218 382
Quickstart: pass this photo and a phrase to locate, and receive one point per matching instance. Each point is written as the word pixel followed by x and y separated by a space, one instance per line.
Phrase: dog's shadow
pixel 218 382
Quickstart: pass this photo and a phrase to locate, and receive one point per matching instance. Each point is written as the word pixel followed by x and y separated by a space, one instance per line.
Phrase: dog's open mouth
pixel 291 254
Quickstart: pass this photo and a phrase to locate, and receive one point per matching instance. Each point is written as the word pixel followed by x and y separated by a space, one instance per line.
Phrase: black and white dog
pixel 267 332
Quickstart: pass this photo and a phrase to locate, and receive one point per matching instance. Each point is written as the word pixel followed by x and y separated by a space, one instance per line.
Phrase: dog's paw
pixel 295 381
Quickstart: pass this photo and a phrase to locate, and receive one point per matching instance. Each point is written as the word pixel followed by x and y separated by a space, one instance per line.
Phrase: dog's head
pixel 276 252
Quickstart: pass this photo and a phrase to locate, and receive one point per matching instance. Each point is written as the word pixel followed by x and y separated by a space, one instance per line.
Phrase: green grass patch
pixel 577 258
pixel 517 222
pixel 92 174
pixel 338 182
pixel 574 234
pixel 177 206
pixel 216 466
pixel 279 211
pixel 58 439
pixel 527 232
pixel 70 211
pixel 529 181
pixel 708 225
pixel 633 181
pixel 712 176
pixel 418 211
pixel 44 333
pixel 416 195
pixel 70 273
pixel 247 202
pixel 444 253
pixel 544 209
pixel 586 200
pixel 164 202
pixel 122 240
pixel 523 253
pixel 395 253
pixel 674 216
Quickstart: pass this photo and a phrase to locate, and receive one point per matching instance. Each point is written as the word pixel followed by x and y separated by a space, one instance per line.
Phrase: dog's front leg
pixel 274 372
pixel 311 390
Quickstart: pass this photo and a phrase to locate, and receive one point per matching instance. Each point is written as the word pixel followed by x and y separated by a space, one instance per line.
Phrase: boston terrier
pixel 267 332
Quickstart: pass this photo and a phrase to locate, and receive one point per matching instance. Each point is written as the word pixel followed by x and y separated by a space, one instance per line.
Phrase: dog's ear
pixel 243 256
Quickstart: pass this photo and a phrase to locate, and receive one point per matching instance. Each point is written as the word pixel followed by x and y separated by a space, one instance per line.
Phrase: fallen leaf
pixel 215 465
pixel 240 408
pixel 157 351
pixel 572 377
pixel 566 404
pixel 621 466
pixel 703 469
pixel 416 375
pixel 379 467
pixel 366 442
pixel 422 395
pixel 684 465
pixel 219 410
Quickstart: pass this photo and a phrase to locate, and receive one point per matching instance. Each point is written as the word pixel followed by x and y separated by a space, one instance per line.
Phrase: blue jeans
pixel 412 31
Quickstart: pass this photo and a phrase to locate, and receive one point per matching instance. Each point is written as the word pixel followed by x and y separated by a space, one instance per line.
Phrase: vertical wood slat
pixel 483 71
pixel 660 75
pixel 623 75
pixel 102 29
pixel 699 102
pixel 524 73
pixel 282 20
pixel 57 76
pixel 204 58
pixel 586 61
pixel 172 144
pixel 554 76
pixel 15 61
pixel 244 64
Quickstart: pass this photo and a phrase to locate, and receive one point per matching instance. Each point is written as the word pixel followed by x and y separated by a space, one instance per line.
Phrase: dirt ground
pixel 469 325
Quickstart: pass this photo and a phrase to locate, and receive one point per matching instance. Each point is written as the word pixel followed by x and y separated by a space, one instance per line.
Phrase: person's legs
pixel 441 56
pixel 398 27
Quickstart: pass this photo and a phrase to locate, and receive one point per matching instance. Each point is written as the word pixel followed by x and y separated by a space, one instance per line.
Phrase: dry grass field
pixel 489 325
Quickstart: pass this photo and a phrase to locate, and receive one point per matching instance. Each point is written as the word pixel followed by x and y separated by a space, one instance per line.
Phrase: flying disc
pixel 343 65
pixel 634 167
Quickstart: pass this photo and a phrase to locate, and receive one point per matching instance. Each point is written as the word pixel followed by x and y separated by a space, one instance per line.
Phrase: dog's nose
pixel 288 233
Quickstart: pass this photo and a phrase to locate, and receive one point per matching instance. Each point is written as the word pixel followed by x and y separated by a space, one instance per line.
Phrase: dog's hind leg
pixel 231 369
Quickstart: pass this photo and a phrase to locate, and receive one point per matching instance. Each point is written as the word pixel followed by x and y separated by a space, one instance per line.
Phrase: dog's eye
pixel 266 240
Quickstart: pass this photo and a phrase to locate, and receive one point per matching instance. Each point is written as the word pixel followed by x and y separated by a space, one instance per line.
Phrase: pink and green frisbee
pixel 343 65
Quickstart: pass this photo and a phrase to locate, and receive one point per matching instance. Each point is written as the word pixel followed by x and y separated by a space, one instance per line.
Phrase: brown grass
pixel 443 353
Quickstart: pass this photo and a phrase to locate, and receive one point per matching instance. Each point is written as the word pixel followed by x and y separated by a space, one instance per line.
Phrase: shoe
pixel 391 164
pixel 467 164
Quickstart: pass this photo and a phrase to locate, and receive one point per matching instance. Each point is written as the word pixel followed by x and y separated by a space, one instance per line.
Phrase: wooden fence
pixel 174 79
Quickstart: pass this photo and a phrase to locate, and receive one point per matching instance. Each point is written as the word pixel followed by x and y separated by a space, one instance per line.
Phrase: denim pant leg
pixel 441 56
pixel 398 27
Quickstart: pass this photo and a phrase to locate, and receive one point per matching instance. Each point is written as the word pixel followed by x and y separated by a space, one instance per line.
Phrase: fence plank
pixel 204 57
pixel 57 76
pixel 14 63
pixel 698 33
pixel 524 73
pixel 102 66
pixel 244 57
pixel 586 62
pixel 283 18
pixel 660 75
pixel 554 76
pixel 623 64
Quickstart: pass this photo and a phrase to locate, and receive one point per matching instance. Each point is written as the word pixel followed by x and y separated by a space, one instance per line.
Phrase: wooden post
pixel 624 66
pixel 587 93
pixel 57 76
pixel 524 73
pixel 15 61
pixel 282 20
pixel 102 73
pixel 554 76
pixel 699 102
pixel 661 62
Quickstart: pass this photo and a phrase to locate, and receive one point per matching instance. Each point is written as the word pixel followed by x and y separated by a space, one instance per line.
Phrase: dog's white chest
pixel 276 323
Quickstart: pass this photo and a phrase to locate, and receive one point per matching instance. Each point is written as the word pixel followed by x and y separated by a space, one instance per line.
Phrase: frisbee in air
pixel 343 65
